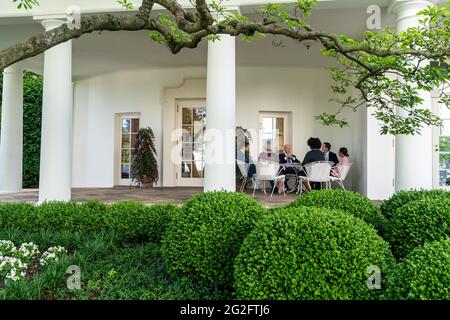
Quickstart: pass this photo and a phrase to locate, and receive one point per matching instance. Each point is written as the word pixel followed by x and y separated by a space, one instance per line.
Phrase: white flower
pixel 7 247
pixel 14 263
pixel 28 251
pixel 12 268
pixel 52 254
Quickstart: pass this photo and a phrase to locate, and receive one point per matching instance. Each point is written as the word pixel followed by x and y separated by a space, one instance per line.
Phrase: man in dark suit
pixel 287 156
pixel 328 155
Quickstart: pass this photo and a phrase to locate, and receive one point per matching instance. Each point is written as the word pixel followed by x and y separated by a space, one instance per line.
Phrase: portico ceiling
pixel 95 54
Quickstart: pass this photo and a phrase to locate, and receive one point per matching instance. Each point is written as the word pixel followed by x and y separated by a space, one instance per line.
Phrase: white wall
pixel 97 100
pixel 304 92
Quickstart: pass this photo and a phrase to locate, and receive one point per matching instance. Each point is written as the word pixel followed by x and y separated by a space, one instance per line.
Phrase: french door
pixel 191 116
pixel 129 128
pixel 274 129
pixel 441 156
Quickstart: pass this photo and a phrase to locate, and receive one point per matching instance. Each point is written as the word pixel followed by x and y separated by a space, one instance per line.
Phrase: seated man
pixel 288 157
pixel 328 155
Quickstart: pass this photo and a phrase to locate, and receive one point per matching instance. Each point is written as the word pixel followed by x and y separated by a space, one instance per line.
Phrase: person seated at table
pixel 344 160
pixel 315 154
pixel 268 154
pixel 288 158
pixel 328 155
pixel 243 155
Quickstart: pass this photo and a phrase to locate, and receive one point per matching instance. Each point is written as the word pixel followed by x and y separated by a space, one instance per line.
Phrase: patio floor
pixel 148 196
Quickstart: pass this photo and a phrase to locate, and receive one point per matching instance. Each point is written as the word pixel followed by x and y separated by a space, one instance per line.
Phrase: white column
pixel 414 154
pixel 11 140
pixel 220 151
pixel 56 146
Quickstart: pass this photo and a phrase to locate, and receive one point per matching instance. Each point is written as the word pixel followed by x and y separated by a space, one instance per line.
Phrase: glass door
pixel 273 130
pixel 192 121
pixel 129 128
pixel 442 147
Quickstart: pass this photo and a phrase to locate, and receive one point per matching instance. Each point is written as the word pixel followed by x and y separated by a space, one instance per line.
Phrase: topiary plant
pixel 144 168
pixel 307 253
pixel 348 201
pixel 423 274
pixel 403 197
pixel 417 222
pixel 205 237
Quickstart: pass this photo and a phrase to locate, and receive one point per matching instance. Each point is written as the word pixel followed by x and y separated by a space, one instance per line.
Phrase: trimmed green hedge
pixel 131 221
pixel 307 253
pixel 417 222
pixel 134 220
pixel 423 275
pixel 351 202
pixel 205 237
pixel 401 198
pixel 21 216
pixel 32 114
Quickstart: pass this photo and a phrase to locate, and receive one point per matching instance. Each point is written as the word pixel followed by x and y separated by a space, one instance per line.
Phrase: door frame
pixel 287 115
pixel 179 180
pixel 436 142
pixel 118 181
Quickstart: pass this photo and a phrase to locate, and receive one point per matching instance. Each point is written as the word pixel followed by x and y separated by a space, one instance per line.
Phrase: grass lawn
pixel 109 270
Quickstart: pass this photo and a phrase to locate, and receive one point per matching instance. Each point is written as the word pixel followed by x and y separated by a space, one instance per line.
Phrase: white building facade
pixel 100 89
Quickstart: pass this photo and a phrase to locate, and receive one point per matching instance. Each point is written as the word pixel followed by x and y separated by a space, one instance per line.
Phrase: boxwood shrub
pixel 351 202
pixel 131 221
pixel 89 217
pixel 19 215
pixel 307 253
pixel 423 274
pixel 401 198
pixel 159 217
pixel 56 215
pixel 205 237
pixel 134 220
pixel 127 218
pixel 417 222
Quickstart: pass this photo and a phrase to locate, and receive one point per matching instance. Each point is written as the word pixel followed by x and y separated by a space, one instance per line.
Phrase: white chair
pixel 318 171
pixel 267 171
pixel 243 168
pixel 342 172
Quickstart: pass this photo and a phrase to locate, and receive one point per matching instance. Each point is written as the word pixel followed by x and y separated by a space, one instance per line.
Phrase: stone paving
pixel 145 195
